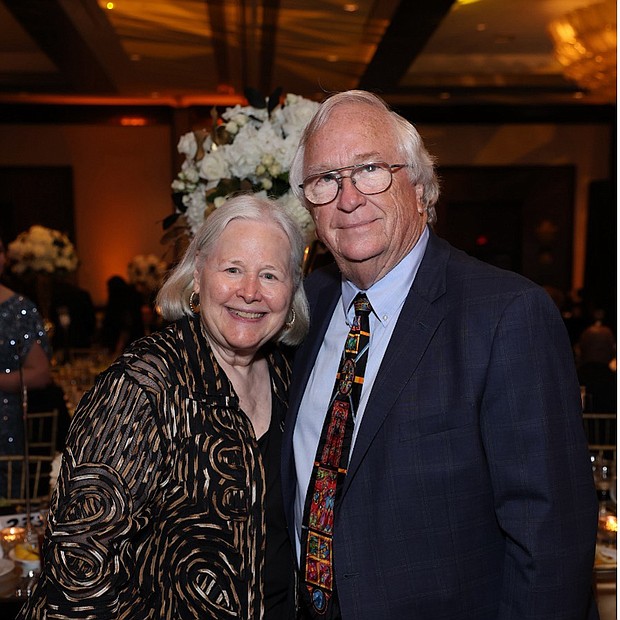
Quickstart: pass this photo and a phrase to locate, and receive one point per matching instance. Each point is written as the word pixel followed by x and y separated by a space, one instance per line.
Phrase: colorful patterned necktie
pixel 330 466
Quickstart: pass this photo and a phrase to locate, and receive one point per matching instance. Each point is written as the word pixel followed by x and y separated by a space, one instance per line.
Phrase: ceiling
pixel 192 52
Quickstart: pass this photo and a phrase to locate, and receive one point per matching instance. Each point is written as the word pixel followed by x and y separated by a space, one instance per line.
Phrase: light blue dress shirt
pixel 386 297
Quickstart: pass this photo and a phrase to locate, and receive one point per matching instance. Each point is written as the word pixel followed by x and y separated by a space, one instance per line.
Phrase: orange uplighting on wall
pixel 133 121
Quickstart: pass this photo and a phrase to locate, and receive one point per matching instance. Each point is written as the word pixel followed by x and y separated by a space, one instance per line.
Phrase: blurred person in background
pixel 73 314
pixel 24 361
pixel 122 319
pixel 596 368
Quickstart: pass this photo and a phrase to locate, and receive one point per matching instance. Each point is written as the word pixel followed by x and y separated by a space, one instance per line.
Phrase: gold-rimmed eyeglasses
pixel 372 178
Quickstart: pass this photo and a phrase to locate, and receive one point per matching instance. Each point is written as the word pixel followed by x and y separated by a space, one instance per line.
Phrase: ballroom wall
pixel 121 189
pixel 122 177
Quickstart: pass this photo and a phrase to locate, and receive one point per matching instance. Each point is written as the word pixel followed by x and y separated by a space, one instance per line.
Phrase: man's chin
pixel 357 255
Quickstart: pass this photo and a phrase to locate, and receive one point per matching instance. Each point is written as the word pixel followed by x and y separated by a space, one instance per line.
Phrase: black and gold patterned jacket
pixel 159 504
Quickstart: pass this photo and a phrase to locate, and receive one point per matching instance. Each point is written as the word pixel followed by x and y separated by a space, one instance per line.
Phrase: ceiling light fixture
pixel 351 7
pixel 585 46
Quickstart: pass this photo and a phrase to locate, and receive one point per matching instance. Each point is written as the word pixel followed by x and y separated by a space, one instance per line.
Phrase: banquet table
pixel 13 592
pixel 15 582
pixel 605 565
pixel 76 375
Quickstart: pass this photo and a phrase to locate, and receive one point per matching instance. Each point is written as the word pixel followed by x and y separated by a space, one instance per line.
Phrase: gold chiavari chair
pixel 14 474
pixel 42 432
pixel 600 429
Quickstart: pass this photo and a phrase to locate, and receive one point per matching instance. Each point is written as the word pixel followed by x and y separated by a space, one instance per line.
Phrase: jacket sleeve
pixel 540 470
pixel 109 469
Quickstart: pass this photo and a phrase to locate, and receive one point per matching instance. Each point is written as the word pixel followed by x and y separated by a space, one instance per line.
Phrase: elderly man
pixel 446 473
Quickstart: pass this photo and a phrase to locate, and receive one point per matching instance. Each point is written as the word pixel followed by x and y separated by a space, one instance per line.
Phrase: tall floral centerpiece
pixel 37 256
pixel 146 272
pixel 42 250
pixel 248 148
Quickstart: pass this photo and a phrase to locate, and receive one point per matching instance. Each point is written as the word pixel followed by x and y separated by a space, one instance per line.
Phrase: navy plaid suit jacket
pixel 469 493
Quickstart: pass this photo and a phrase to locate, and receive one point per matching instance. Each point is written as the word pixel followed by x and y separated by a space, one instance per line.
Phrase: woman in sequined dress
pixel 22 342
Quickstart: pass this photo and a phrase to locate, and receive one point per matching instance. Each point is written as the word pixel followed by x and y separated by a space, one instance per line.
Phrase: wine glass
pixel 602 470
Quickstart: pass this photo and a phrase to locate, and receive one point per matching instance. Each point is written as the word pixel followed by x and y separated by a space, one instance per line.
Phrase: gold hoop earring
pixel 291 321
pixel 194 302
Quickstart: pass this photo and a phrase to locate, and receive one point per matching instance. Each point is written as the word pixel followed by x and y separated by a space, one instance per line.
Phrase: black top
pixel 279 567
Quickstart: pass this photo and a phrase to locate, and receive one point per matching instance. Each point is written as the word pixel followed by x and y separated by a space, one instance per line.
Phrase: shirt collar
pixel 387 295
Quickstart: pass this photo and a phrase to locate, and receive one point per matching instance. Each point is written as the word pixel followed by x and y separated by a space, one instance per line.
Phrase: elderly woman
pixel 168 503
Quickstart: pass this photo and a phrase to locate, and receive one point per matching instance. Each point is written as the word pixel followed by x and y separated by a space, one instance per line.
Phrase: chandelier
pixel 585 46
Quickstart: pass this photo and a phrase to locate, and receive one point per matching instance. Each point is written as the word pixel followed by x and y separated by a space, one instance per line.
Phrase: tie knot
pixel 362 305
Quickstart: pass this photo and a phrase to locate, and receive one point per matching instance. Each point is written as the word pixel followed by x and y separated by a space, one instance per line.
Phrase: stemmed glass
pixel 604 472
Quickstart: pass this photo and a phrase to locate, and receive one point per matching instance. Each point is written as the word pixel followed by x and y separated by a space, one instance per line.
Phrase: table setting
pixel 604 472
pixel 20 557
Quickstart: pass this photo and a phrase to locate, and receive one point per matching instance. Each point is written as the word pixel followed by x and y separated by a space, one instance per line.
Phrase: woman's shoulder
pixel 154 355
pixel 18 309
pixel 16 301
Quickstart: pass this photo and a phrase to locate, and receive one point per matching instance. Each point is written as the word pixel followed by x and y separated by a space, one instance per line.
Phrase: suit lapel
pixel 422 313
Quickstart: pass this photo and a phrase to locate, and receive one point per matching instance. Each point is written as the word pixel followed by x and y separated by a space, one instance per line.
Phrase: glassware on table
pixel 603 471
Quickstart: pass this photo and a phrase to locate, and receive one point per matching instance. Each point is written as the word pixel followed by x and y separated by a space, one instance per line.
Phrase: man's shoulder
pixel 323 279
pixel 469 270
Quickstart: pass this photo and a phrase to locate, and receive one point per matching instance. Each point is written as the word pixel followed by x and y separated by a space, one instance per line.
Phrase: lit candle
pixel 611 523
pixel 11 535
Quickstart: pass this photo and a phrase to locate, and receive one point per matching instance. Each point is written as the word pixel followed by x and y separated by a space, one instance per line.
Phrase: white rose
pixel 299 213
pixel 191 174
pixel 214 166
pixel 242 155
pixel 196 204
pixel 231 127
pixel 275 169
pixel 298 115
pixel 287 152
pixel 187 145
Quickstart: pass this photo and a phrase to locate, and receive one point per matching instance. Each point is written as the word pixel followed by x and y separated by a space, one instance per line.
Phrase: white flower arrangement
pixel 146 272
pixel 249 148
pixel 42 250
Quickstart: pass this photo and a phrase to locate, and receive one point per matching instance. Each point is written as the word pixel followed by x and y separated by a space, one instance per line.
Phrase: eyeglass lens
pixel 368 179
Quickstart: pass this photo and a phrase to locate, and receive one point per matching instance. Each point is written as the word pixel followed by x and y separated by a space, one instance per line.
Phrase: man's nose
pixel 350 197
